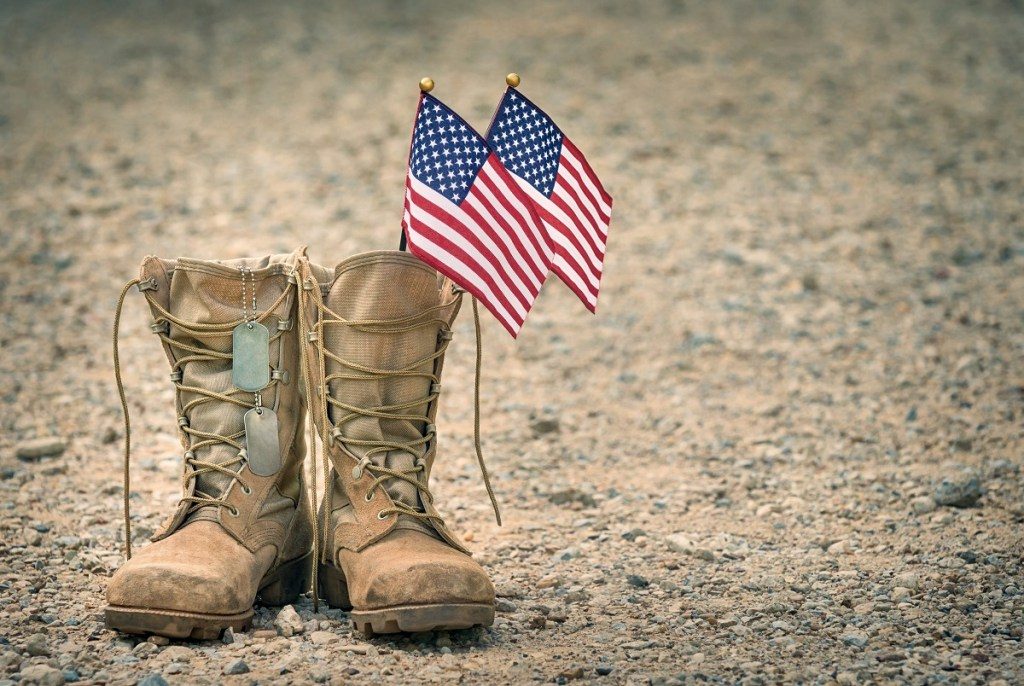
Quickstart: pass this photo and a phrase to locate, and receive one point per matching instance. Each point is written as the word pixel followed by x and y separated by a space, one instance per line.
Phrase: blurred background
pixel 787 447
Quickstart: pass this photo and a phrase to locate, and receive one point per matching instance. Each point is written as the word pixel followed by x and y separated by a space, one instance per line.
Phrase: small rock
pixel 544 424
pixel 288 622
pixel 603 670
pixel 323 637
pixel 959 492
pixel 228 636
pixel 144 650
pixel 152 680
pixel 854 639
pixel 36 646
pixel 847 679
pixel 502 605
pixel 908 580
pixel 637 581
pixel 922 505
pixel 31 537
pixel 176 654
pixel 237 666
pixel 900 593
pixel 39 447
pixel 679 543
pixel 41 675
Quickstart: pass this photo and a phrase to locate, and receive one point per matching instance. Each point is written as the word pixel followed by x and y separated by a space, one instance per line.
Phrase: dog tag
pixel 250 353
pixel 262 449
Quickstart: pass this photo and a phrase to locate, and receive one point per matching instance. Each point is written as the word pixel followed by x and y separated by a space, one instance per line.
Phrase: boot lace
pixel 197 438
pixel 317 380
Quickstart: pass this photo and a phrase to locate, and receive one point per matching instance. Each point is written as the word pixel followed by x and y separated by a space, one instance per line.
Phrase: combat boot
pixel 376 347
pixel 242 530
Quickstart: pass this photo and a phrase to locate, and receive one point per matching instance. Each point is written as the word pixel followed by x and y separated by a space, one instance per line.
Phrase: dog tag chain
pixel 250 371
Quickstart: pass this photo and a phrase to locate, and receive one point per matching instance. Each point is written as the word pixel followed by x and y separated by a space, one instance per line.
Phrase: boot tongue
pixel 206 292
pixel 384 286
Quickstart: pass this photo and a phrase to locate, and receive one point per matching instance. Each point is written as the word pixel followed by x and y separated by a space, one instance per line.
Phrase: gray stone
pixel 36 646
pixel 236 667
pixel 962 491
pixel 41 675
pixel 922 505
pixel 854 639
pixel 39 447
pixel 152 680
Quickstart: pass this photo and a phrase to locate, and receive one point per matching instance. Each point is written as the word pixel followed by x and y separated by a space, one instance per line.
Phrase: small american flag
pixel 466 217
pixel 566 193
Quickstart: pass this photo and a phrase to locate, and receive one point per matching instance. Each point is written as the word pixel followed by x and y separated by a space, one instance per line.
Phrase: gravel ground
pixel 787 449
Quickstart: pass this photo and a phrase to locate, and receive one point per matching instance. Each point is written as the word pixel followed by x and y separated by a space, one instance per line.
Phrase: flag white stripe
pixel 466 272
pixel 598 221
pixel 595 237
pixel 570 273
pixel 569 251
pixel 528 267
pixel 506 274
pixel 568 224
pixel 428 220
pixel 539 261
pixel 584 208
pixel 581 168
pixel 527 218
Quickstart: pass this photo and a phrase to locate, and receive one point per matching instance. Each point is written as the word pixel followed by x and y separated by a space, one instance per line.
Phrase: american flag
pixel 566 193
pixel 466 217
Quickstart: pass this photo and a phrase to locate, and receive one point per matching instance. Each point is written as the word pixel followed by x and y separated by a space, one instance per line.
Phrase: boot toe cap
pixel 188 572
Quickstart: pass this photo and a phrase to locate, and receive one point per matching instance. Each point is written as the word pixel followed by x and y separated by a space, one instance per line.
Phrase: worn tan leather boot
pixel 376 345
pixel 242 530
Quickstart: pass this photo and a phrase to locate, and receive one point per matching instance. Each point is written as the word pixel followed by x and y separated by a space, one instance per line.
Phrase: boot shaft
pixel 381 331
pixel 195 305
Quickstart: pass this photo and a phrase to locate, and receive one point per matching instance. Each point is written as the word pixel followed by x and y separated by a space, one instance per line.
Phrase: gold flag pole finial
pixel 426 84
pixel 512 80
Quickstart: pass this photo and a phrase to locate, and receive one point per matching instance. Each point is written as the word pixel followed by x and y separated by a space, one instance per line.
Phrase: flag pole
pixel 426 85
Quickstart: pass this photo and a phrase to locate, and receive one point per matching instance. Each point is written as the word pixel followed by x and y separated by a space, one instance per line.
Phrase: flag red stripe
pixel 588 170
pixel 572 177
pixel 535 238
pixel 470 235
pixel 511 324
pixel 515 259
pixel 597 228
pixel 596 253
pixel 572 252
pixel 496 301
pixel 491 189
pixel 588 299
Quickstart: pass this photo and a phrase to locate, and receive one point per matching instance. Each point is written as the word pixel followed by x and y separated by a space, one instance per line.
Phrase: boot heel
pixel 333 587
pixel 287 582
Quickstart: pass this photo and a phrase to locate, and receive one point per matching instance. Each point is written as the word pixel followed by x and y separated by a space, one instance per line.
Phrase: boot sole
pixel 282 586
pixel 403 618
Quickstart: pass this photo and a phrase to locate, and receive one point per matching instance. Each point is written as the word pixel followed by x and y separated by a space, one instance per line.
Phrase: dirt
pixel 812 315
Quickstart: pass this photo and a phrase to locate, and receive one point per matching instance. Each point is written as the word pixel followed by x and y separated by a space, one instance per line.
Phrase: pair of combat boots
pixel 361 349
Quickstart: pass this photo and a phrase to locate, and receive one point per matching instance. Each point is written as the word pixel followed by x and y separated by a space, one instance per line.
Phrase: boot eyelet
pixel 233 511
pixel 382 515
pixel 246 490
pixel 369 496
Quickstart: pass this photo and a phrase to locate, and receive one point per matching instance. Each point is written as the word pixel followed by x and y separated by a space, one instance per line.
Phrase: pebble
pixel 922 505
pixel 39 447
pixel 41 675
pixel 37 646
pixel 323 637
pixel 959 492
pixel 152 680
pixel 236 667
pixel 288 622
